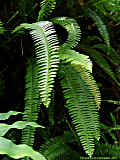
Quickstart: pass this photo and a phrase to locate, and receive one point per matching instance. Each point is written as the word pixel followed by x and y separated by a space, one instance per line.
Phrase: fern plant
pixel 80 90
pixel 60 91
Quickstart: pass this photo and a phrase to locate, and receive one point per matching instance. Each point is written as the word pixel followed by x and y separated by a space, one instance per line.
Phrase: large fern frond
pixel 47 59
pixel 82 104
pixel 47 7
pixel 46 46
pixel 73 29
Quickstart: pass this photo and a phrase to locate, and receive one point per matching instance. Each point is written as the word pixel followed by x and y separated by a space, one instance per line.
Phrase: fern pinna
pixel 75 71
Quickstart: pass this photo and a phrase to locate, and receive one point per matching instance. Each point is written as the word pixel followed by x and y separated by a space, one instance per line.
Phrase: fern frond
pixel 69 55
pixel 18 151
pixel 108 150
pixel 46 46
pixel 47 7
pixel 31 103
pixel 101 27
pixel 73 29
pixel 81 104
pixel 47 59
pixel 114 57
pixel 57 146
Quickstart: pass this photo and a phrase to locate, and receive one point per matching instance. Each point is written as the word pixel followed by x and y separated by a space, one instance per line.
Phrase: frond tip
pixel 47 7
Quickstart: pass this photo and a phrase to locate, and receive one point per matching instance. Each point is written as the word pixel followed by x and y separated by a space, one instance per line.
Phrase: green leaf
pixel 4 128
pixel 18 151
pixel 4 116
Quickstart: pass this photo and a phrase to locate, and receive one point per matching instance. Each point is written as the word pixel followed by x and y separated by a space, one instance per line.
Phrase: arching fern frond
pixel 46 46
pixel 47 7
pixel 81 103
pixel 101 27
pixel 73 29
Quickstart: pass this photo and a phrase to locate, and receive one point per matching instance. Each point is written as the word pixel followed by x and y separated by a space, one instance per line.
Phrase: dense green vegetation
pixel 59 79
